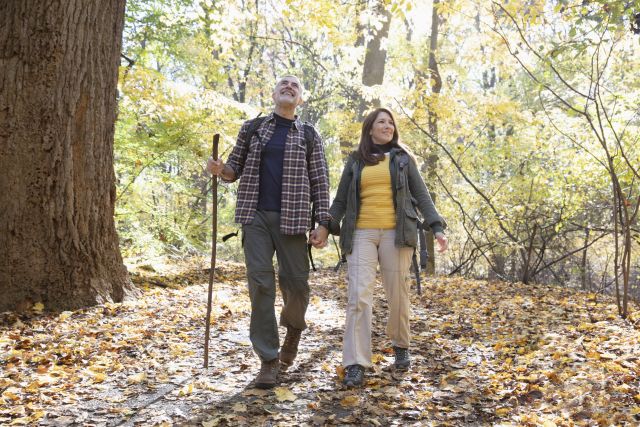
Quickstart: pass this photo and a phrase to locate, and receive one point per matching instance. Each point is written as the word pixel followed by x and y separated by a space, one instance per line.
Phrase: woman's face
pixel 382 129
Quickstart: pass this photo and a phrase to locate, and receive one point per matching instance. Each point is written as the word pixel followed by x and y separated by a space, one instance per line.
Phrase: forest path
pixel 483 353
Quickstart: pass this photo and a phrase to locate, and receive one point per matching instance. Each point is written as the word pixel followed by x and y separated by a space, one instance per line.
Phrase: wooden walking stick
pixel 214 234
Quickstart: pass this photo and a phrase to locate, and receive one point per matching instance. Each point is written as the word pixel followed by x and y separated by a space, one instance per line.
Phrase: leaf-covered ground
pixel 483 354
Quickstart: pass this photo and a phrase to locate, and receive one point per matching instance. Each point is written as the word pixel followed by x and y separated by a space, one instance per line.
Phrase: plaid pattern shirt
pixel 301 183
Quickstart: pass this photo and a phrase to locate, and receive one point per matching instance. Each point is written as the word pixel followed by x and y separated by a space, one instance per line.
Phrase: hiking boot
pixel 268 374
pixel 403 361
pixel 354 376
pixel 289 348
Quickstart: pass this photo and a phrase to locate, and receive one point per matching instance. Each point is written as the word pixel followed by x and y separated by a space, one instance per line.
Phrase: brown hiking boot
pixel 289 348
pixel 268 374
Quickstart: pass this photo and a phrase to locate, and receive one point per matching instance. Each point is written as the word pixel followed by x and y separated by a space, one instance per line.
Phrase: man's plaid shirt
pixel 301 183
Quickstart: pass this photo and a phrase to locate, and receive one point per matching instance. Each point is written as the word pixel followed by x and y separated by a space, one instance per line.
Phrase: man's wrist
pixel 324 224
pixel 227 172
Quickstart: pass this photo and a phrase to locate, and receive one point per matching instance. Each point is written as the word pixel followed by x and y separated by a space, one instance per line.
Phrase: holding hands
pixel 443 243
pixel 318 237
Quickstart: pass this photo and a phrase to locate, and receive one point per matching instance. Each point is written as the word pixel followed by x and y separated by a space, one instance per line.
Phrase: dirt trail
pixel 483 354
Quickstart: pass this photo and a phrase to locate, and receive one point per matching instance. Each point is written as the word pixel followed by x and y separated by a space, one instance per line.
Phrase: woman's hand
pixel 443 243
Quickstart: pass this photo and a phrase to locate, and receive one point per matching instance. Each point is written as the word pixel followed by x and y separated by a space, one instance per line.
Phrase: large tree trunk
pixel 58 75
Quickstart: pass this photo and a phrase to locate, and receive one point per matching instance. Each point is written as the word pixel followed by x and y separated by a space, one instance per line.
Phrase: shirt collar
pixel 297 122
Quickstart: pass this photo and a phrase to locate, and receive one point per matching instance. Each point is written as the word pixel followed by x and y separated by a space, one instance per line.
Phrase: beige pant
pixel 370 247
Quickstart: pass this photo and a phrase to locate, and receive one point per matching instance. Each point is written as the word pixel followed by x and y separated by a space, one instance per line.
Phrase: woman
pixel 377 197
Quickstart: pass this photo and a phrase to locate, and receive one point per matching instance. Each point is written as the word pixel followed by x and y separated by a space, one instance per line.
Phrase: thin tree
pixel 432 158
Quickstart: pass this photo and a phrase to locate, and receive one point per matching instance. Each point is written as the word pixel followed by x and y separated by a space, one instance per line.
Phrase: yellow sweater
pixel 376 197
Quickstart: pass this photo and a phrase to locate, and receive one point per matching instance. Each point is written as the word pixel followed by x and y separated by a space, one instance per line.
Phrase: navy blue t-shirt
pixel 271 162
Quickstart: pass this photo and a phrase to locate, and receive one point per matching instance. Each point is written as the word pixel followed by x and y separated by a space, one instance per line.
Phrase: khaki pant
pixel 370 248
pixel 260 240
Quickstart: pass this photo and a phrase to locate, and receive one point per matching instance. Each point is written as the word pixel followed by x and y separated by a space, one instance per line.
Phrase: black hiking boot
pixel 403 361
pixel 354 376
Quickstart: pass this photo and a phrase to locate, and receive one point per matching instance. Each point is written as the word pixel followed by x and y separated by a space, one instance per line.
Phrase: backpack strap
pixel 416 271
pixel 309 137
pixel 254 124
pixel 424 253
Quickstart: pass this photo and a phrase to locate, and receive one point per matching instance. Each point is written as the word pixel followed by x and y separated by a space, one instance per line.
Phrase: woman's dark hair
pixel 366 149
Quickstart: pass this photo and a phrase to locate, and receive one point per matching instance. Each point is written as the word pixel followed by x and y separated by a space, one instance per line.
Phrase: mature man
pixel 281 165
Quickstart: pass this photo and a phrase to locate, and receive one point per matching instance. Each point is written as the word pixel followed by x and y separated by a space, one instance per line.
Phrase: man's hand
pixel 318 237
pixel 443 243
pixel 215 167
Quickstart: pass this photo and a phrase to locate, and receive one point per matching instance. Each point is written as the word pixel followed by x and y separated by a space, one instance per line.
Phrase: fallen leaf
pixel 11 394
pixel 593 355
pixel 239 407
pixel 340 371
pixel 350 401
pixel 137 378
pixel 33 387
pixel 377 358
pixel 186 390
pixel 65 315
pixel 502 412
pixel 284 394
pixel 610 356
pixel 213 422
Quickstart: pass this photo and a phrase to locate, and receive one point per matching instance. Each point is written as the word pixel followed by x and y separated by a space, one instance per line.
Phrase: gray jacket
pixel 409 192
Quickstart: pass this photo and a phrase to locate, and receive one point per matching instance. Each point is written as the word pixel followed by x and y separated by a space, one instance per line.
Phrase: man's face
pixel 288 92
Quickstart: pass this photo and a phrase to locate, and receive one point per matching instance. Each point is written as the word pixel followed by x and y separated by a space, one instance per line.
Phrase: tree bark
pixel 583 264
pixel 58 75
pixel 432 159
pixel 497 270
pixel 375 57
